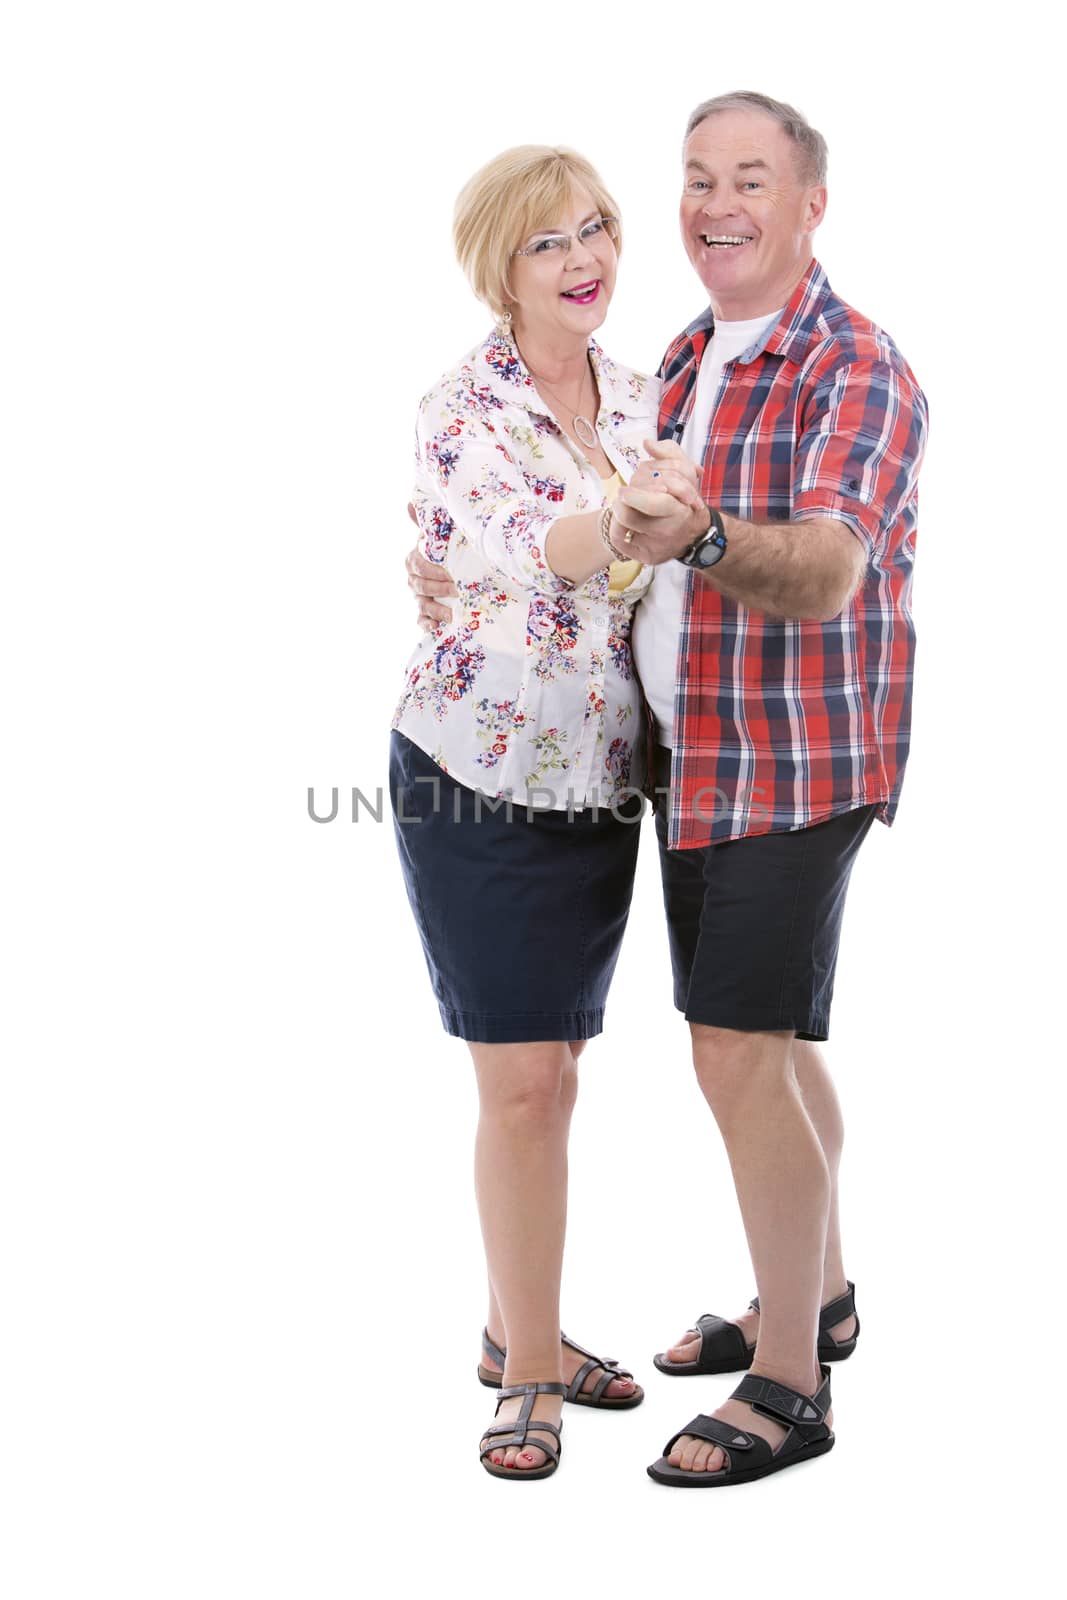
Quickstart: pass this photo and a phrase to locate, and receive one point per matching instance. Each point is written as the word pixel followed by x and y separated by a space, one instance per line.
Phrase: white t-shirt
pixel 658 619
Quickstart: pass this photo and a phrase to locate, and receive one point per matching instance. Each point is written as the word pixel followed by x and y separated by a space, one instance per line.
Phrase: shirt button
pixel 601 622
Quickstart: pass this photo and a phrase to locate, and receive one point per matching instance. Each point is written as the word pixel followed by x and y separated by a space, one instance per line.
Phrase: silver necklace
pixel 588 436
pixel 583 428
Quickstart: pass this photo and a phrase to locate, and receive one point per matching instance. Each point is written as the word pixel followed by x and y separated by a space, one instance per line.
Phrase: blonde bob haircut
pixel 520 192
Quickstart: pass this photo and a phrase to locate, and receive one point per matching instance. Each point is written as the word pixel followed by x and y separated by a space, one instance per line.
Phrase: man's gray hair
pixel 810 144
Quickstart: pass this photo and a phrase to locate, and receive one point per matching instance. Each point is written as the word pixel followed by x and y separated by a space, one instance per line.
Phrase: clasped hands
pixel 661 507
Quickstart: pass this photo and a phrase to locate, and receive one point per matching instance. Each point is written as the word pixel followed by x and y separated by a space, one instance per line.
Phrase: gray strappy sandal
pixel 594 1397
pixel 503 1434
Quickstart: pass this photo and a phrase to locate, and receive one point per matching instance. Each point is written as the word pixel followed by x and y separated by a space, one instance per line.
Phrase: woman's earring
pixel 503 322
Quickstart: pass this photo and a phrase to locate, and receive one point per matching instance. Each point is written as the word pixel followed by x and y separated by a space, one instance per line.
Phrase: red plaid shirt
pixel 781 724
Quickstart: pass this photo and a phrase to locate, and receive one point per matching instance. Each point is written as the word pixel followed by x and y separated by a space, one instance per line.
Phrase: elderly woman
pixel 517 737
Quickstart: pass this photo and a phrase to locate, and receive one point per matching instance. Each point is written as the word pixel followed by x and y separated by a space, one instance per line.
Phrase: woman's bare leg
pixel 520 1172
pixel 619 1387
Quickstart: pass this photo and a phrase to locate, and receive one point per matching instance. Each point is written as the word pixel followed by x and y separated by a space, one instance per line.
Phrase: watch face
pixel 710 552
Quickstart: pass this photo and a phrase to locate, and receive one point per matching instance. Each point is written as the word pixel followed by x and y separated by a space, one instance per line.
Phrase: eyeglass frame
pixel 569 238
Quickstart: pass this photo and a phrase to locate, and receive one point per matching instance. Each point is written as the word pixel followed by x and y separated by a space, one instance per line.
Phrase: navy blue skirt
pixel 521 919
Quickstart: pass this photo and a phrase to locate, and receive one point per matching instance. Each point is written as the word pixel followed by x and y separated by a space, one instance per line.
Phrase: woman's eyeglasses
pixel 591 233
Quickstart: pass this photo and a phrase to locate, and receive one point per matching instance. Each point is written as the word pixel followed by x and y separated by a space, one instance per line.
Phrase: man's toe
pixel 696 1455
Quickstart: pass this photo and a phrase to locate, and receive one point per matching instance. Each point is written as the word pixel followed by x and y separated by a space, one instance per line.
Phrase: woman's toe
pixel 619 1388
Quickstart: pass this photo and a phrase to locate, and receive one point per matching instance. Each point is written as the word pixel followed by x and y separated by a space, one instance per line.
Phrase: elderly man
pixel 775 649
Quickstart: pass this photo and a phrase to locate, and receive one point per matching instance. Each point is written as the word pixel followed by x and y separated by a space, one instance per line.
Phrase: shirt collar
pixel 502 368
pixel 796 330
pixel 800 325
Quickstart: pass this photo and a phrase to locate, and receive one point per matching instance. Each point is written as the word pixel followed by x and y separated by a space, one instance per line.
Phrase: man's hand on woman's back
pixel 430 584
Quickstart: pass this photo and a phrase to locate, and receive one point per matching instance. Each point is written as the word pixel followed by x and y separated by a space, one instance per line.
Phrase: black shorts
pixel 754 923
pixel 521 917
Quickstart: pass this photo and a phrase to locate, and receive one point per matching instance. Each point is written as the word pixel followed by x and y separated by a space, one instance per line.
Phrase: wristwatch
pixel 709 547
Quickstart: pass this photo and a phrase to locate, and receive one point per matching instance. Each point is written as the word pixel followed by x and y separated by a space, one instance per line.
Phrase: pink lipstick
pixel 585 293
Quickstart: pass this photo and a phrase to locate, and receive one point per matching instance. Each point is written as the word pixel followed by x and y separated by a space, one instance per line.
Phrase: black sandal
pixel 723 1347
pixel 804 1416
pixel 504 1434
pixel 594 1397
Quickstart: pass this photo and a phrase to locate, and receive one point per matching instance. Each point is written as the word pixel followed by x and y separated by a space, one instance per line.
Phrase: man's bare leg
pixel 782 1179
pixel 824 1111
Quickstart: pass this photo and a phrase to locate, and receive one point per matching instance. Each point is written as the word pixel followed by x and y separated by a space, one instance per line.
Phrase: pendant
pixel 586 433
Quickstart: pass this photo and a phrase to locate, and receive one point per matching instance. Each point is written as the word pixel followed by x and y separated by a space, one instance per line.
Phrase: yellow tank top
pixel 621 573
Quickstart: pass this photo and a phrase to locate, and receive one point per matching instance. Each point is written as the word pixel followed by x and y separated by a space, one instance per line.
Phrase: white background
pixel 241 1273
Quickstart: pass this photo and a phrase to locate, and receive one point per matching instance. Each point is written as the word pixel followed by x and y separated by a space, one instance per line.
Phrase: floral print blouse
pixel 529 692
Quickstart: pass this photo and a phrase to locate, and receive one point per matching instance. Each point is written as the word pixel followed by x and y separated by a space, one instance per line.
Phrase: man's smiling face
pixel 747 214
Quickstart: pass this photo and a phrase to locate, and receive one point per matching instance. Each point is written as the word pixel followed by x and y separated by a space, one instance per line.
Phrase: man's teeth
pixel 726 238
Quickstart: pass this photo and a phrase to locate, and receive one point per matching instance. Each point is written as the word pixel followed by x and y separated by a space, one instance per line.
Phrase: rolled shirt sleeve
pixel 863 435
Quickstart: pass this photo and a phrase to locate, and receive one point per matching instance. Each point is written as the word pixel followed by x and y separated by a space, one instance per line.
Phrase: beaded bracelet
pixel 605 524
